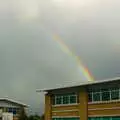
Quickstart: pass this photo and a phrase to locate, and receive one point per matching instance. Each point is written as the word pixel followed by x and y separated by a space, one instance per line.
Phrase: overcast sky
pixel 29 57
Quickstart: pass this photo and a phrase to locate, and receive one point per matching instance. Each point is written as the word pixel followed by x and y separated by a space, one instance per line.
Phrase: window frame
pixel 62 102
pixel 110 90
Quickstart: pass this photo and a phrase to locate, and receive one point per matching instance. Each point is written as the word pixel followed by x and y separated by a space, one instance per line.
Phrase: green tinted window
pixel 106 118
pixel 90 118
pixel 96 96
pixel 95 118
pixel 105 89
pixel 58 100
pixel 115 94
pixel 100 118
pixel 65 99
pixel 90 97
pixel 105 96
pixel 73 99
pixel 115 118
pixel 96 90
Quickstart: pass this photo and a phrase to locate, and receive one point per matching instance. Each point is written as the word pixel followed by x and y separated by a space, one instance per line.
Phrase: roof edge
pixel 82 84
pixel 14 101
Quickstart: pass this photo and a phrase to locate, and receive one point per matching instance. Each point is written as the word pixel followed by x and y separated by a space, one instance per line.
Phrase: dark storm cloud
pixel 30 59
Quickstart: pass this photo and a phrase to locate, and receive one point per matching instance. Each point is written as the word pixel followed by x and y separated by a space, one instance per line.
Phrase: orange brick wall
pixel 83 104
pixel 65 107
pixel 104 109
pixel 70 113
pixel 82 109
pixel 48 109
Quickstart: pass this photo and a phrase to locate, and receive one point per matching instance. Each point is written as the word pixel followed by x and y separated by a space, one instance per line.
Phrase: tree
pixel 36 117
pixel 42 117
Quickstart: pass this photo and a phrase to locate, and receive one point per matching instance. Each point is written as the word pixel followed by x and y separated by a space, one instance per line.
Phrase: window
pixel 65 99
pixel 104 118
pixel 90 97
pixel 95 118
pixel 12 110
pixel 100 118
pixel 115 94
pixel 106 96
pixel 58 100
pixel 73 99
pixel 115 118
pixel 96 96
pixel 9 109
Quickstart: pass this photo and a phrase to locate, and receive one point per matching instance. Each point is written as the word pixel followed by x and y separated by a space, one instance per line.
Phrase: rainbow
pixel 66 49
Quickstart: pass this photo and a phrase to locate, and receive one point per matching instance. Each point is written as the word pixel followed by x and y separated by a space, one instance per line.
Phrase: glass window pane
pixel 105 96
pixel 90 90
pixel 58 99
pixel 106 118
pixel 114 88
pixel 14 111
pixel 115 95
pixel 96 96
pixel 115 118
pixel 9 109
pixel 90 97
pixel 95 118
pixel 100 118
pixel 96 90
pixel 104 89
pixel 65 99
pixel 89 118
pixel 73 99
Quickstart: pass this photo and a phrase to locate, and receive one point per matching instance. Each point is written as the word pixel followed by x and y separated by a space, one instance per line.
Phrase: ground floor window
pixel 104 118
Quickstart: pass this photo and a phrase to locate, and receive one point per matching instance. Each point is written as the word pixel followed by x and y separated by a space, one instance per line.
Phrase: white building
pixel 11 108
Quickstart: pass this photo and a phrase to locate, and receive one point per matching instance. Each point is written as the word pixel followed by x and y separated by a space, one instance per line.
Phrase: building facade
pixel 92 101
pixel 11 106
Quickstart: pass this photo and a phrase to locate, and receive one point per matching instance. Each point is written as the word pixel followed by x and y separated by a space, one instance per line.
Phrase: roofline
pixel 80 85
pixel 16 102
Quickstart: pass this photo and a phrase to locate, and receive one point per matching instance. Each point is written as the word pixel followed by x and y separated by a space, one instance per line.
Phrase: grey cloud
pixel 31 59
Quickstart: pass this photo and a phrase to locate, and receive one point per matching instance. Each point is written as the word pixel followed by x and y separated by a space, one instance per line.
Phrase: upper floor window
pixel 104 95
pixel 13 110
pixel 65 99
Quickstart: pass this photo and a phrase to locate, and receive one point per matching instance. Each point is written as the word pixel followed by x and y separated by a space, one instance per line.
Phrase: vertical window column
pixel 110 95
pixel 119 93
pixel 100 95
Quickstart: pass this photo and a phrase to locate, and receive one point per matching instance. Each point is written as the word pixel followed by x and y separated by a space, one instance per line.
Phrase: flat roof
pixel 13 101
pixel 80 85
